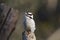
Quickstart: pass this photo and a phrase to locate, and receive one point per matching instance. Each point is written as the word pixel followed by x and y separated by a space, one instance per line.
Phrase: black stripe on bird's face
pixel 30 17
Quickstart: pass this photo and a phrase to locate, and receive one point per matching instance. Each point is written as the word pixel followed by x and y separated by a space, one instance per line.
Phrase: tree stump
pixel 8 19
pixel 30 36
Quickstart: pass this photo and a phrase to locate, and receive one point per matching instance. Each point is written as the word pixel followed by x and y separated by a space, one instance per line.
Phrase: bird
pixel 29 23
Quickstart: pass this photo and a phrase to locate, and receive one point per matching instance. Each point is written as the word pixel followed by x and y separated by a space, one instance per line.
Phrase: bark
pixel 8 21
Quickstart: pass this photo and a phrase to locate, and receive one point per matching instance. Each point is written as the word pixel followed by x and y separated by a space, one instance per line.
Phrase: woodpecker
pixel 29 23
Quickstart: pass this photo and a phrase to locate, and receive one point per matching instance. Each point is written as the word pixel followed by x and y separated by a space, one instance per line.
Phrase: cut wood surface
pixel 30 36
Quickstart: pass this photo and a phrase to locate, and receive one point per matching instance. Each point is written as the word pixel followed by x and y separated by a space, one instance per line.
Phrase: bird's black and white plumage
pixel 29 23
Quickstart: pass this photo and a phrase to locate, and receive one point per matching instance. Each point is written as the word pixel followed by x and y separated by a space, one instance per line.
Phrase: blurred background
pixel 46 15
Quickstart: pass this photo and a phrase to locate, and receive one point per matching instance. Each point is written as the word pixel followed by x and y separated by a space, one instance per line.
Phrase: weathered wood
pixel 30 36
pixel 3 14
pixel 8 22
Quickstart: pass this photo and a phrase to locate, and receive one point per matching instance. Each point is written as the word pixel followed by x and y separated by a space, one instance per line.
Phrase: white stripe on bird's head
pixel 29 14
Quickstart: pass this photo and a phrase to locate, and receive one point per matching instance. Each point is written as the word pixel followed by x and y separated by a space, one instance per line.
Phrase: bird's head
pixel 29 14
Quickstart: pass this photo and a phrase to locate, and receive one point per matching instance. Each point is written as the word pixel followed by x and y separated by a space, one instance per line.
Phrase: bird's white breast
pixel 30 23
